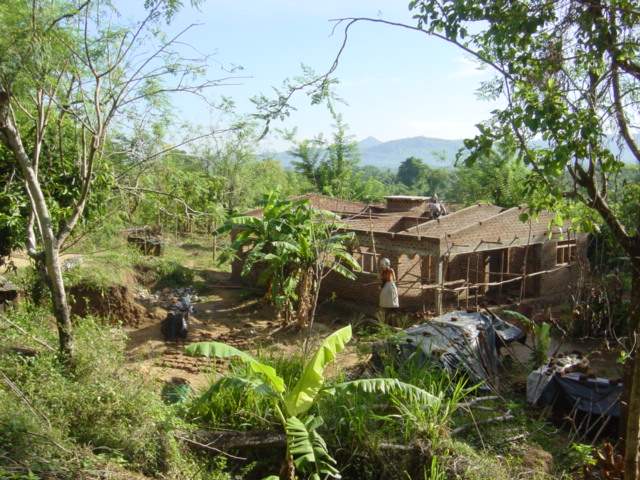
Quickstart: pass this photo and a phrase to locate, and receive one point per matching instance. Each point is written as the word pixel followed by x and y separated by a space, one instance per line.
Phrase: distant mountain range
pixel 435 152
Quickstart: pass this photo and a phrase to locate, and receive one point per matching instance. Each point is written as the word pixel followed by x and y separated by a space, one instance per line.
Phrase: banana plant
pixel 293 245
pixel 306 449
pixel 541 336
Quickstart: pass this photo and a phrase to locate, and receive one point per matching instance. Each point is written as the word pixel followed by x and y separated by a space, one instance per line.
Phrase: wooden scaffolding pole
pixel 468 282
pixel 439 281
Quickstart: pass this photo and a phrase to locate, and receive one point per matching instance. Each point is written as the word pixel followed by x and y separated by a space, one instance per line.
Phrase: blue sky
pixel 397 83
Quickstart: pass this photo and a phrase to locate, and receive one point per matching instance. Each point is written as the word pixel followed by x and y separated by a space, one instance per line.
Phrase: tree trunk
pixel 304 299
pixel 59 298
pixel 287 469
pixel 51 252
pixel 11 139
pixel 630 414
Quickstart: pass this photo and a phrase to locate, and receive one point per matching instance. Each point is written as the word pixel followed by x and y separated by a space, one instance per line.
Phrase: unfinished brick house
pixel 478 255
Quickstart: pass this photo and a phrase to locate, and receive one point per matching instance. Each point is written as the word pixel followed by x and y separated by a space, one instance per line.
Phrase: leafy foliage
pixel 569 75
pixel 411 171
pixel 100 418
pixel 304 441
pixel 66 74
pixel 496 178
pixel 331 166
pixel 309 448
pixel 292 243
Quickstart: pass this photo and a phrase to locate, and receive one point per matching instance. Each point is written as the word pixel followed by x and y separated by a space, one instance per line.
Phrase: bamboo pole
pixel 468 281
pixel 501 275
pixel 373 243
pixel 484 273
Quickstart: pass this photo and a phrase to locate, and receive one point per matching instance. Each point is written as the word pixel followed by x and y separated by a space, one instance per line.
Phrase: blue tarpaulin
pixel 592 395
pixel 459 341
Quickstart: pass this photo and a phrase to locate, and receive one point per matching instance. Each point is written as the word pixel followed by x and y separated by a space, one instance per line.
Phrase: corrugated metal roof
pixel 7 286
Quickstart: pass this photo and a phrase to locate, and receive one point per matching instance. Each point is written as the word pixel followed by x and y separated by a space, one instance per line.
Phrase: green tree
pixel 309 155
pixel 436 180
pixel 569 73
pixel 364 188
pixel 267 174
pixel 329 166
pixel 411 171
pixel 343 157
pixel 66 72
pixel 496 178
pixel 226 159
pixel 421 179
pixel 197 185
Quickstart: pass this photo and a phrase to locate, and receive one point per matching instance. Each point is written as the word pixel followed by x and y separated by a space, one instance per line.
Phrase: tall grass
pixel 377 433
pixel 244 409
pixel 97 415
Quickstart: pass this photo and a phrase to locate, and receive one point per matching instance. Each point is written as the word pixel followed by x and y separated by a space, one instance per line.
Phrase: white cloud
pixel 467 67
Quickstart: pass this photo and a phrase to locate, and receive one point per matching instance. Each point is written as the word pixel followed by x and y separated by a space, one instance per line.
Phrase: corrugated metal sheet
pixel 7 286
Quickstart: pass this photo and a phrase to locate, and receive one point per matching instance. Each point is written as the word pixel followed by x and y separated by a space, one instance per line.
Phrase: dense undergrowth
pixel 99 418
pixel 95 418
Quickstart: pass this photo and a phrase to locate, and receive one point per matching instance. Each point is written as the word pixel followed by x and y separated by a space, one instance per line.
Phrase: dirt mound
pixel 116 304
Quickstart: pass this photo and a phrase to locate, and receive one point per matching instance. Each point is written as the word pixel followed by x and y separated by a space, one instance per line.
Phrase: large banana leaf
pixel 309 448
pixel 221 350
pixel 344 271
pixel 286 245
pixel 216 349
pixel 237 383
pixel 386 385
pixel 304 393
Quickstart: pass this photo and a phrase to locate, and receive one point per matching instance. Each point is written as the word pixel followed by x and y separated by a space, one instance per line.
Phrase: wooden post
pixel 467 295
pixel 523 286
pixel 439 280
pixel 373 241
pixel 501 273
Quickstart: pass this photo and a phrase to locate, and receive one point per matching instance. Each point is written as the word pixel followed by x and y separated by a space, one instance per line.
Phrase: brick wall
pixel 364 289
pixel 406 203
pixel 563 275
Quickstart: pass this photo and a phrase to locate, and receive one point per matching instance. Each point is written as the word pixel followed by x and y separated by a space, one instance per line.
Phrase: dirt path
pixel 230 315
pixel 235 316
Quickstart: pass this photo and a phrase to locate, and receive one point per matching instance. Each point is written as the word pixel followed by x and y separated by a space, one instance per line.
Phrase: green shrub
pixel 246 409
pixel 32 285
pixel 58 421
pixel 160 273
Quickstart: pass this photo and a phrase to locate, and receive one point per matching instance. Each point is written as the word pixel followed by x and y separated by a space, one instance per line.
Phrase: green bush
pixel 161 273
pixel 32 285
pixel 239 409
pixel 58 421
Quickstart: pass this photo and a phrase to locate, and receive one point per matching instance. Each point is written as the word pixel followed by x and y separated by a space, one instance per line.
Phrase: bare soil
pixel 229 314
